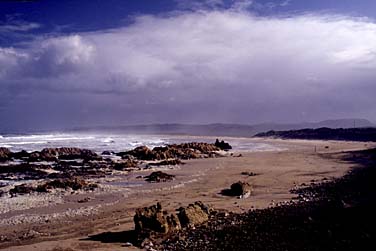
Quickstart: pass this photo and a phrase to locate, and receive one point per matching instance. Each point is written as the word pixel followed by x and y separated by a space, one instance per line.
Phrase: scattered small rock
pixel 159 176
pixel 84 200
pixel 249 174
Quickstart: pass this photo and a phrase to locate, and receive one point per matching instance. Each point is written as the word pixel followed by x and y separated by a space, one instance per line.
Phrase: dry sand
pixel 66 224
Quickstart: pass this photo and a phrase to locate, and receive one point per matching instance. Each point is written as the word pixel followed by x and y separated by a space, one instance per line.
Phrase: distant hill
pixel 350 134
pixel 235 130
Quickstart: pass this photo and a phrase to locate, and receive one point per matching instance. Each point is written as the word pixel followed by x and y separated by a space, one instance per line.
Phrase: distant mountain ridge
pixel 324 133
pixel 218 129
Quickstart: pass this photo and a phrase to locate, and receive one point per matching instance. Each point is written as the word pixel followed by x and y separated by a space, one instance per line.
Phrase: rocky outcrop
pixel 107 153
pixel 142 153
pixel 24 171
pixel 66 184
pixel 194 214
pixel 128 165
pixel 74 184
pixel 21 189
pixel 20 155
pixel 222 145
pixel 5 154
pixel 154 219
pixel 42 156
pixel 180 151
pixel 65 153
pixel 159 177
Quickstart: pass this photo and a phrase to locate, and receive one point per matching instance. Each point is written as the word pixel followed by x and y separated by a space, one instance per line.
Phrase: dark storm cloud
pixel 205 66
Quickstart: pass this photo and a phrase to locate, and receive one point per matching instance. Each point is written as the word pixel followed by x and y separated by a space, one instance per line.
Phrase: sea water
pixel 99 142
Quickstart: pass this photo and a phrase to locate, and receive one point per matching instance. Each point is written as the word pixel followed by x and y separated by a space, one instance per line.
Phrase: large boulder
pixel 194 214
pixel 241 189
pixel 5 154
pixel 154 219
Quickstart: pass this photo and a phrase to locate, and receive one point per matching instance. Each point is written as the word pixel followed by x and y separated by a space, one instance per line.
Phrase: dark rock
pixel 222 145
pixel 159 177
pixel 35 156
pixel 74 184
pixel 107 153
pixel 20 155
pixel 84 200
pixel 240 188
pixel 24 170
pixel 5 154
pixel 249 174
pixel 172 162
pixel 21 189
pixel 68 153
pixel 181 151
pixel 194 214
pixel 142 153
pixel 126 166
pixel 127 157
pixel 154 219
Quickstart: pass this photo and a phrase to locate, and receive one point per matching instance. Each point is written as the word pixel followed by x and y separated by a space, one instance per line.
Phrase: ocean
pixel 100 142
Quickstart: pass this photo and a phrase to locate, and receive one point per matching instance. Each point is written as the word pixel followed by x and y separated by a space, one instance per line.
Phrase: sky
pixel 74 63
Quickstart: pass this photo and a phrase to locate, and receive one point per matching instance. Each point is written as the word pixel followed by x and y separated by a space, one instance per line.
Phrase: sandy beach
pixel 72 222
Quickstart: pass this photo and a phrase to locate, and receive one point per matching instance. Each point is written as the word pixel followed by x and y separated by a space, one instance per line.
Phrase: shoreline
pixel 278 172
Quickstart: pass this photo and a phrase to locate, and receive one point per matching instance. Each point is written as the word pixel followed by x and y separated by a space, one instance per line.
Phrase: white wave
pixel 28 142
pixel 108 140
pixel 48 136
pixel 36 136
pixel 7 146
pixel 134 144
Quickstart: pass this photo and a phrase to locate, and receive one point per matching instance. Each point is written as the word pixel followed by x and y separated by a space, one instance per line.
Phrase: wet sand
pixel 112 210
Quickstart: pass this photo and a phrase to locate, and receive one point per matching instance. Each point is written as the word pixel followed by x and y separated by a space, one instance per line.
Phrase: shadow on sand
pixel 114 237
